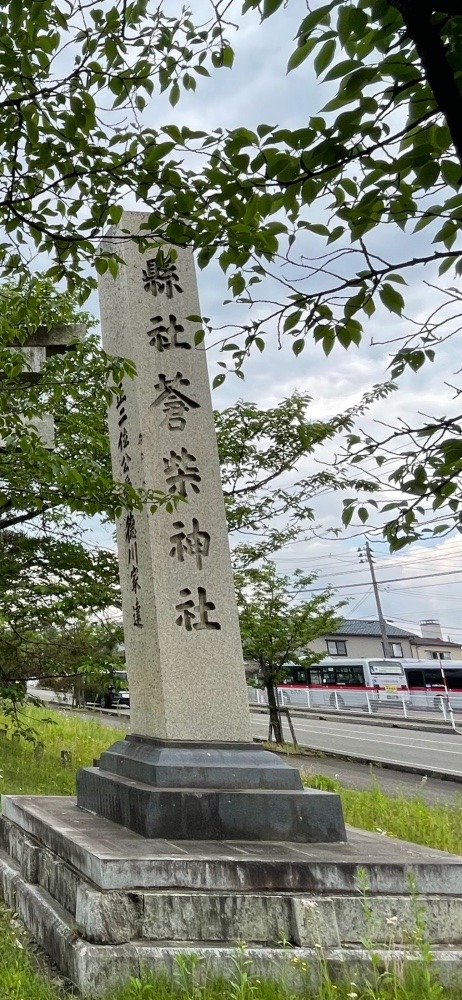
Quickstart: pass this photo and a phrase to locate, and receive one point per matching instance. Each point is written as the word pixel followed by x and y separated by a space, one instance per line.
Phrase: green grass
pixel 23 773
pixel 20 976
pixel 24 976
pixel 408 818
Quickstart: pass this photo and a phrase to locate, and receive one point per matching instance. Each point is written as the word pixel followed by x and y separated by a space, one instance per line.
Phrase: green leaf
pixel 342 68
pixel 205 256
pixel 451 172
pixel 218 380
pixel 392 299
pixel 116 212
pixel 101 265
pixel 270 6
pixel 347 513
pixel 174 95
pixel 227 56
pixel 156 152
pixel 324 56
pixel 299 55
pixel 292 320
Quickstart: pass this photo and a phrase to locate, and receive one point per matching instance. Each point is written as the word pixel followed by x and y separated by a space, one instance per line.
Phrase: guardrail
pixel 405 705
pixel 412 706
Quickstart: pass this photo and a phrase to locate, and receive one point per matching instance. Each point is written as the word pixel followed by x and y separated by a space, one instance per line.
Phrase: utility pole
pixel 382 624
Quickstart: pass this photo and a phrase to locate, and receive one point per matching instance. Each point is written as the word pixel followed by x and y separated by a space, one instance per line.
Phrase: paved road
pixel 440 753
pixel 437 752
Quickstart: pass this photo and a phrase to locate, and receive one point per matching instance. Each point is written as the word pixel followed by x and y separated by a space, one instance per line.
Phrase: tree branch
pixel 20 518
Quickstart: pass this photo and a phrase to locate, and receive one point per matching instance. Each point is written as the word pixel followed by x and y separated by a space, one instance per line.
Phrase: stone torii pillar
pixel 189 769
pixel 40 346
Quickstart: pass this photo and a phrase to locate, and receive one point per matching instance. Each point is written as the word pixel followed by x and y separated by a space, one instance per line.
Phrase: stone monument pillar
pixel 182 641
pixel 190 768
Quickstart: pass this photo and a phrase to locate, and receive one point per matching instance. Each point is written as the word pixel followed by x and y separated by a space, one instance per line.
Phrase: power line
pixel 354 572
pixel 395 579
pixel 443 626
pixel 363 597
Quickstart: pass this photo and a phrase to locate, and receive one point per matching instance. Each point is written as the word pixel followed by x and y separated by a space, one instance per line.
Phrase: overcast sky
pixel 258 90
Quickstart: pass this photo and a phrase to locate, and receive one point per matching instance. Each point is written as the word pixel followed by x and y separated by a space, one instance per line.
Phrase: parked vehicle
pixel 113 694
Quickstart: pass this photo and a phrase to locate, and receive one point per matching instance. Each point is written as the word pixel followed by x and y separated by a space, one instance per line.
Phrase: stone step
pixel 95 968
pixel 266 919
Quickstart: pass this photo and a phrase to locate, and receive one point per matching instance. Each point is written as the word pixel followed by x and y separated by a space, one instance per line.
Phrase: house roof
pixel 360 627
pixel 432 640
pixel 357 626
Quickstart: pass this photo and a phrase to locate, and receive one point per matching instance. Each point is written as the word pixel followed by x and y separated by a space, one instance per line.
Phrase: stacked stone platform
pixel 106 903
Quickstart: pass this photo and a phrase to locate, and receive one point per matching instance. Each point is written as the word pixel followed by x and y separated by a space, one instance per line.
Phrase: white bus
pixel 346 683
pixel 435 679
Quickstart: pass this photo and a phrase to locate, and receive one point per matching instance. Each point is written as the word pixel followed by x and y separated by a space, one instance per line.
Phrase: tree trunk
pixel 274 714
pixel 436 61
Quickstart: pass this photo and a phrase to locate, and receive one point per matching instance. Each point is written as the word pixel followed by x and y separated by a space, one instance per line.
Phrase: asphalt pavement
pixel 430 753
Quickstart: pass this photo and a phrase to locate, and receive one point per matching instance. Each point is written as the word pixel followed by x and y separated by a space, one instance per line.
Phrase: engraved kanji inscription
pixel 133 552
pixel 130 527
pixel 175 403
pixel 135 585
pixel 121 411
pixel 195 543
pixel 137 614
pixel 182 473
pixel 188 611
pixel 161 275
pixel 165 335
pixel 125 465
pixel 123 441
pixel 135 579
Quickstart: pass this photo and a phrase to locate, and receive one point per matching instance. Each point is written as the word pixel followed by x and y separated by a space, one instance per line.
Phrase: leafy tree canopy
pixel 47 580
pixel 55 599
pixel 277 623
pixel 384 150
pixel 260 449
pixel 260 454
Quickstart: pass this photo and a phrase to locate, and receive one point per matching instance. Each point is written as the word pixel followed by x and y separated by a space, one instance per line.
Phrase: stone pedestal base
pixel 107 904
pixel 187 791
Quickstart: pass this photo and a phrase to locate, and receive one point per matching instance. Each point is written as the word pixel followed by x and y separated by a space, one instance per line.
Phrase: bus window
pixel 298 675
pixel 385 667
pixel 350 676
pixel 314 676
pixel 433 678
pixel 328 675
pixel 453 679
pixel 415 678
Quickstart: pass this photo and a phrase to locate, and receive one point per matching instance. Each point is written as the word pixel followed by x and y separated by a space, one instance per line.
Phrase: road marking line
pixel 409 742
pixel 364 739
